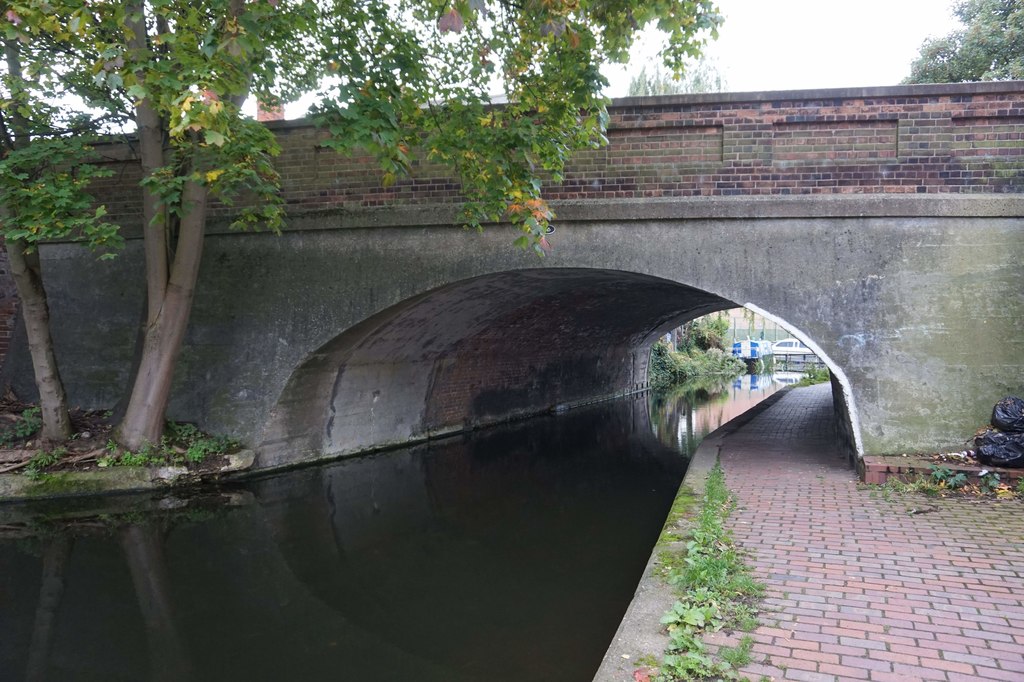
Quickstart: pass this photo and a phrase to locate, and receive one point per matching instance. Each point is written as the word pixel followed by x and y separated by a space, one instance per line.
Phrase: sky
pixel 803 44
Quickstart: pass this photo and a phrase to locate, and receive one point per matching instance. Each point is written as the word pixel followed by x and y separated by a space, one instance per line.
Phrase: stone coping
pixel 640 210
pixel 631 210
pixel 111 480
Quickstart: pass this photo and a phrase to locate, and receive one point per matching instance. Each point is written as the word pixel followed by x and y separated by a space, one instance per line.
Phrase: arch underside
pixel 477 352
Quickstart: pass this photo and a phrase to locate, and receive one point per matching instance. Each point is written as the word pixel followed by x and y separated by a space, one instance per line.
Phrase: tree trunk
pixel 51 589
pixel 28 278
pixel 167 308
pixel 27 274
pixel 144 418
pixel 170 282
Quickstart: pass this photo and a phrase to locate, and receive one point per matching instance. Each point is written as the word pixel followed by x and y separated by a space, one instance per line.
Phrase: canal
pixel 508 554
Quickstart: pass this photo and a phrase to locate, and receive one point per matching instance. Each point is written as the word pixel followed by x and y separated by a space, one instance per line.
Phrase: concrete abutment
pixel 917 300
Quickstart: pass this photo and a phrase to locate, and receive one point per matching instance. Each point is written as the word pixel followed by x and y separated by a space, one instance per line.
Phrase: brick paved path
pixel 861 587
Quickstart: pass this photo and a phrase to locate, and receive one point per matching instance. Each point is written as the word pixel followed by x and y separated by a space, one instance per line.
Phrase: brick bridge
pixel 882 225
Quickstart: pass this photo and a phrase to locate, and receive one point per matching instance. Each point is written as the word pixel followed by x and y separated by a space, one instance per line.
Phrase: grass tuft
pixel 716 591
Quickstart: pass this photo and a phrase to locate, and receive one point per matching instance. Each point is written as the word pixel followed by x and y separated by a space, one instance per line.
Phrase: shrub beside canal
pixel 669 367
pixel 701 353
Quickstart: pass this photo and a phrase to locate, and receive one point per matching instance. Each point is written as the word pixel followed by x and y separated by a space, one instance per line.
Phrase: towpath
pixel 861 585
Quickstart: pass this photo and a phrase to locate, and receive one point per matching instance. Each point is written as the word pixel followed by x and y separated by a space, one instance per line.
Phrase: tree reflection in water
pixel 682 416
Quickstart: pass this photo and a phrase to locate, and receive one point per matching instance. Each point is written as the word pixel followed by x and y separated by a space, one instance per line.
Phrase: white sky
pixel 801 44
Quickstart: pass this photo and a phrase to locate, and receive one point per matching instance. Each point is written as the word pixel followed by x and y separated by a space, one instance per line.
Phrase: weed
pixel 198 446
pixel 945 478
pixel 204 447
pixel 147 454
pixel 746 619
pixel 814 375
pixel 27 424
pixel 43 460
pixel 1020 487
pixel 738 656
pixel 144 457
pixel 181 443
pixel 31 420
pixel 183 432
pixel 925 486
pixel 714 586
pixel 988 481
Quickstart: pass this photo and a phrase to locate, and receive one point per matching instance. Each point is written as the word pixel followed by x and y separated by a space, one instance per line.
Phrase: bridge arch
pixel 916 299
pixel 480 351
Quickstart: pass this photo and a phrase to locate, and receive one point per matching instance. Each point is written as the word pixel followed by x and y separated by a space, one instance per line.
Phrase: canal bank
pixel 640 636
pixel 862 584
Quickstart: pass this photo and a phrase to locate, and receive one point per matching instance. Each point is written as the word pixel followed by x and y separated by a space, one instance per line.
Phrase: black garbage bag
pixel 1008 415
pixel 1001 449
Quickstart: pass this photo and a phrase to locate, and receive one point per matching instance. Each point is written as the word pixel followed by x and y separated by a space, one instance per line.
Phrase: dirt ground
pixel 90 447
pixel 91 431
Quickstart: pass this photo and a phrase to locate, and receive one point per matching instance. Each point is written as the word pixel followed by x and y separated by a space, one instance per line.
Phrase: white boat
pixel 791 346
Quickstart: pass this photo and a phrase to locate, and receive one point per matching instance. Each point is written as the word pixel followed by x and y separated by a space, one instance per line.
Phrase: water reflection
pixel 683 415
pixel 508 554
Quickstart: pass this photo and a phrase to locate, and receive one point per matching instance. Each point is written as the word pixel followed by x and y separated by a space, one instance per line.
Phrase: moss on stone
pixel 682 508
pixel 63 483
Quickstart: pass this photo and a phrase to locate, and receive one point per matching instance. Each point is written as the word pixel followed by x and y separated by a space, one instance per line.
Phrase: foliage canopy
pixel 45 163
pixel 989 46
pixel 391 77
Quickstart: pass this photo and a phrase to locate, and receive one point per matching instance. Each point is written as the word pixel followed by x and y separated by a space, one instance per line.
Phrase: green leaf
pixel 214 138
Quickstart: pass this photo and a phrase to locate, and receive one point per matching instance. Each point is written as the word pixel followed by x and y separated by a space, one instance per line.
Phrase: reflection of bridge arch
pixel 404 546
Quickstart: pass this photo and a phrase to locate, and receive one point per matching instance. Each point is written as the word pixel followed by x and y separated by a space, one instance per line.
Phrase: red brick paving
pixel 861 587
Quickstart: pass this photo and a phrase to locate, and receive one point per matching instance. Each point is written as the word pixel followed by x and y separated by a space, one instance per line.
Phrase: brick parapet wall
pixel 908 139
pixel 899 142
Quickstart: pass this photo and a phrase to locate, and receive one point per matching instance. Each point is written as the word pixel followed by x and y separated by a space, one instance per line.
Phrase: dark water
pixel 508 554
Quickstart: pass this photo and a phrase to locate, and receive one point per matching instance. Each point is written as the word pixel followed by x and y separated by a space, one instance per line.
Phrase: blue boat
pixel 751 349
